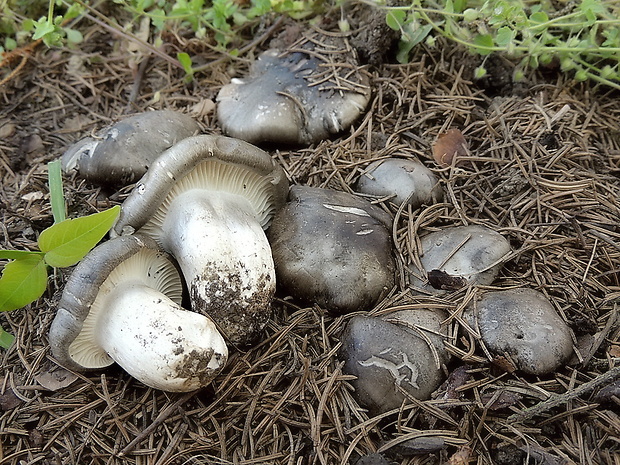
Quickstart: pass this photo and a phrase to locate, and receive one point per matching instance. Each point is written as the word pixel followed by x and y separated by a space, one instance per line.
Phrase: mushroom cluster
pixel 203 206
pixel 214 215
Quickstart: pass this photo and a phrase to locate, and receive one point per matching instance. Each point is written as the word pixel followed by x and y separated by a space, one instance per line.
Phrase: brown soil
pixel 543 170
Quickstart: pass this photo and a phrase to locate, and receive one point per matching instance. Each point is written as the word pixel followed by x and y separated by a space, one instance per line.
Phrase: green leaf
pixel 581 75
pixel 17 254
pixel 612 37
pixel 158 18
pixel 483 44
pixel 68 242
pixel 186 62
pixel 459 5
pixel 470 15
pixel 6 339
pixel 259 8
pixel 42 28
pixel 23 281
pixel 73 11
pixel 73 36
pixel 504 36
pixel 395 19
pixel 480 72
pixel 592 8
pixel 411 37
pixel 28 25
pixel 10 43
pixel 539 17
pixel 418 34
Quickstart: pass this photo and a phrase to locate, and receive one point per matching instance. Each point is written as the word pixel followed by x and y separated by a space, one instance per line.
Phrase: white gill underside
pixel 150 269
pixel 215 177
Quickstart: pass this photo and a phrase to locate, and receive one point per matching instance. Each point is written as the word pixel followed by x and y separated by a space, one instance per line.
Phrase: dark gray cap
pixel 120 154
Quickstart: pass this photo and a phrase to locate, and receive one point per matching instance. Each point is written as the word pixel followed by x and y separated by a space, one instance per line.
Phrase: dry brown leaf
pixel 54 378
pixel 614 350
pixel 457 378
pixel 7 130
pixel 504 363
pixel 8 400
pixel 203 108
pixel 449 146
pixel 461 456
pixel 441 280
pixel 502 401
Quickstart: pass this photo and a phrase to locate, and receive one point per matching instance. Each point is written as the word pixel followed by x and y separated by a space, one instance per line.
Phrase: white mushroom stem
pixel 157 341
pixel 224 255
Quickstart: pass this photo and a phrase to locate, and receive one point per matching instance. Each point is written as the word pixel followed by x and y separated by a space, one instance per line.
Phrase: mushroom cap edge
pixel 179 160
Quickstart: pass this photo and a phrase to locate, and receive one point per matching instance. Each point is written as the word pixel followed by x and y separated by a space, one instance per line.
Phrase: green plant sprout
pixel 583 38
pixel 66 242
pixel 220 17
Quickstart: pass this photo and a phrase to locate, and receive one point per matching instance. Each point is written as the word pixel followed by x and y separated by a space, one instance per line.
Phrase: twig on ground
pixel 558 399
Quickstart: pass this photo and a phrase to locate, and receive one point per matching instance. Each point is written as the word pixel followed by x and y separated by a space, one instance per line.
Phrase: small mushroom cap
pixel 215 163
pixel 474 253
pixel 303 95
pixel 391 354
pixel 403 180
pixel 332 248
pixel 84 286
pixel 525 325
pixel 122 153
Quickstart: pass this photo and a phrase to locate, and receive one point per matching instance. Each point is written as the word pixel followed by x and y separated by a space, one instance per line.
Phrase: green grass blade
pixel 57 197
pixel 68 242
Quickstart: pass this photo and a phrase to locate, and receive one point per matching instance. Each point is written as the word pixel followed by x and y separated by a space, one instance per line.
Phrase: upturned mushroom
pixel 122 304
pixel 207 201
pixel 121 153
pixel 312 90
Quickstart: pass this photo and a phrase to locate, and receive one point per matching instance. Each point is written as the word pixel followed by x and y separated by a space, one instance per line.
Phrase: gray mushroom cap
pixel 121 153
pixel 332 248
pixel 207 201
pixel 401 351
pixel 122 304
pixel 298 96
pixel 523 324
pixel 402 180
pixel 469 255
